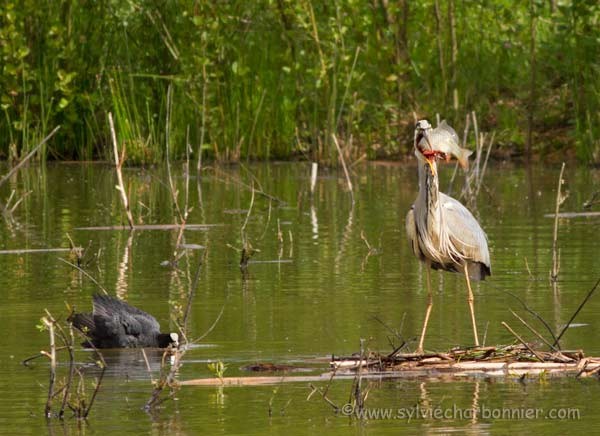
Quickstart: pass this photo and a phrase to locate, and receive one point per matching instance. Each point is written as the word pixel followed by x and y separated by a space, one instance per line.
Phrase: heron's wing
pixel 464 230
pixel 411 231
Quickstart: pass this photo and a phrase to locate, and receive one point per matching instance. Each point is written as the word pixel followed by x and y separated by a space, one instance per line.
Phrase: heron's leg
pixel 470 300
pixel 428 311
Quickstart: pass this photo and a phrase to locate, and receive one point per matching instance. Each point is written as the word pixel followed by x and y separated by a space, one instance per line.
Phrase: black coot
pixel 115 324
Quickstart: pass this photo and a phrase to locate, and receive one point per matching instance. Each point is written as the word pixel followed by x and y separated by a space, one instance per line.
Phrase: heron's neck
pixel 428 187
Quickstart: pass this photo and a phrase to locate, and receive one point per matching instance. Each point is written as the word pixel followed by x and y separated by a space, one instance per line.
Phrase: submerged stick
pixel 69 345
pixel 532 330
pixel 555 254
pixel 153 227
pixel 567 215
pixel 485 162
pixel 587 297
pixel 246 186
pixel 313 176
pixel 81 270
pixel 35 250
pixel 533 312
pixel 49 323
pixel 589 203
pixel 174 192
pixel 192 292
pixel 29 156
pixel 119 164
pixel 247 250
pixel 26 361
pixel 203 118
pixel 348 181
pixel 507 327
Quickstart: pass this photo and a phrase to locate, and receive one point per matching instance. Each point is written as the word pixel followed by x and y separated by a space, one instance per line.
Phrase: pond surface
pixel 311 291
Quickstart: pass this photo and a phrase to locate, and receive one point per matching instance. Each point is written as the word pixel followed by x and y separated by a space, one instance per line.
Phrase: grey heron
pixel 443 233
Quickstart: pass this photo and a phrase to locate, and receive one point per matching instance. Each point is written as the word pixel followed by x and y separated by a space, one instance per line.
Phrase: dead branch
pixel 507 327
pixel 348 180
pixel 532 330
pixel 84 272
pixel 29 156
pixel 585 300
pixel 314 168
pixel 49 323
pixel 118 165
pixel 555 251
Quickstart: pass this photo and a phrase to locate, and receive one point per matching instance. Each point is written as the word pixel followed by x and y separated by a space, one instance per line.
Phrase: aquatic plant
pixel 277 78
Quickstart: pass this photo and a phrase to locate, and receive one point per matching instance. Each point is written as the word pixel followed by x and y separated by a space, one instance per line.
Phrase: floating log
pixel 36 250
pixel 269 380
pixel 271 261
pixel 272 367
pixel 573 214
pixel 192 246
pixel 437 370
pixel 506 361
pixel 153 227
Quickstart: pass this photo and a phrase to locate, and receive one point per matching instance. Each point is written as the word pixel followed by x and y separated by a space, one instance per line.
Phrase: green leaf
pixel 22 52
pixel 63 103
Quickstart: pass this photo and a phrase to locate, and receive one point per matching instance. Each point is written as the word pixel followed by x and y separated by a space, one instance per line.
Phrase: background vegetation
pixel 276 78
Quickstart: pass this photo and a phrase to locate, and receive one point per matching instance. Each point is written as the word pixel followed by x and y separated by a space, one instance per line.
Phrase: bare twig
pixel 192 291
pixel 118 165
pixel 587 297
pixel 323 395
pixel 248 187
pixel 314 168
pixel 213 325
pixel 96 387
pixel 81 270
pixel 25 362
pixel 533 312
pixel 174 192
pixel 49 323
pixel 532 330
pixel 69 346
pixel 531 350
pixel 29 156
pixel 348 180
pixel 247 250
pixel 203 121
pixel 487 156
pixel 555 251
pixel 591 201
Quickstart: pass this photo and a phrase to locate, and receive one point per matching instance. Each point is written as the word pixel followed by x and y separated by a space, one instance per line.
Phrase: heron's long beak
pixel 429 161
pixel 426 136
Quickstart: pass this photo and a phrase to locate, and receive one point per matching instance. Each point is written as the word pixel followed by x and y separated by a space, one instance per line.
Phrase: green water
pixel 313 293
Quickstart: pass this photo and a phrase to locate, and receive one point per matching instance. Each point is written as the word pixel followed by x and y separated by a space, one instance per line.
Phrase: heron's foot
pixel 419 351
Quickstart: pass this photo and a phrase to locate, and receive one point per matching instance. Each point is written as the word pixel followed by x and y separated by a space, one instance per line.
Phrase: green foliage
pixel 276 78
pixel 217 368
